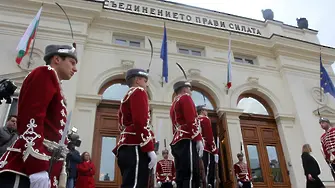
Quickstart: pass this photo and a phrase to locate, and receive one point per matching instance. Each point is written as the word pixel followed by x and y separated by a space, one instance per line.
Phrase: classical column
pixel 292 139
pixel 83 118
pixel 161 125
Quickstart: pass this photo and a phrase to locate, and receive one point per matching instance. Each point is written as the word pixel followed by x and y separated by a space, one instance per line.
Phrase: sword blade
pixel 67 126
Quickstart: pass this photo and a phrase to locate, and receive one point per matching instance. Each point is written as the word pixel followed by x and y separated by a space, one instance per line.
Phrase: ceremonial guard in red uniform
pixel 328 143
pixel 187 143
pixel 165 171
pixel 41 119
pixel 135 149
pixel 242 172
pixel 210 157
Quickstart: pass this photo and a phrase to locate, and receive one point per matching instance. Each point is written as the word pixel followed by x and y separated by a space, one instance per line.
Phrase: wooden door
pixel 225 161
pixel 106 135
pixel 263 151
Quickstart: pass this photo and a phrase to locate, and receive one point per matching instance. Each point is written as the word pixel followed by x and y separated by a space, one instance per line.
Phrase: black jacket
pixel 310 165
pixel 72 159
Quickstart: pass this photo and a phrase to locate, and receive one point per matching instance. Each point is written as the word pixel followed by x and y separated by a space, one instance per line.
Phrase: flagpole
pixel 163 60
pixel 162 81
pixel 229 63
pixel 320 78
pixel 321 96
pixel 32 47
pixel 164 57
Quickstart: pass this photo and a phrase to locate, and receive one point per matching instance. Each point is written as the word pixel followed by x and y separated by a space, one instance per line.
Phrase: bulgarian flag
pixel 229 65
pixel 28 36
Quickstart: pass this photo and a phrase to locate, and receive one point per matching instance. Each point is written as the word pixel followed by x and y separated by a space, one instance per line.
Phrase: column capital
pixel 160 105
pixel 90 99
pixel 284 117
pixel 230 112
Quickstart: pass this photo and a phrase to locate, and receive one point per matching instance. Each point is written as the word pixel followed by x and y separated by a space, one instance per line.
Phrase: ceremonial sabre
pixel 68 19
pixel 57 152
pixel 66 129
pixel 329 164
pixel 152 53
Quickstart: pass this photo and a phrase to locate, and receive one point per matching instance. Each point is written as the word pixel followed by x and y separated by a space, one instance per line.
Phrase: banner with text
pixel 178 16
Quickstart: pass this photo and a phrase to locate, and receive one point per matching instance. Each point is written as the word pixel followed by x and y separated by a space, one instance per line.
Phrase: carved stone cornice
pixel 127 64
pixel 90 99
pixel 230 112
pixel 160 105
pixel 17 78
pixel 287 120
pixel 326 112
pixel 194 72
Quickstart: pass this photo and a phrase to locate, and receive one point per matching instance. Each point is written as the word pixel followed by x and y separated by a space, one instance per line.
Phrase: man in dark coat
pixel 72 159
pixel 8 134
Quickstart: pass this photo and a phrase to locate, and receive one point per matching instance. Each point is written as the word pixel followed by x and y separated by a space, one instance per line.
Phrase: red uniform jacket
pixel 86 172
pixel 185 123
pixel 134 118
pixel 328 144
pixel 242 172
pixel 41 117
pixel 165 171
pixel 207 134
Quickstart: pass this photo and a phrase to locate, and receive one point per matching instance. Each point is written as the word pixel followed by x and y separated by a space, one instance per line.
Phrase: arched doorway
pixel 106 134
pixel 219 127
pixel 262 146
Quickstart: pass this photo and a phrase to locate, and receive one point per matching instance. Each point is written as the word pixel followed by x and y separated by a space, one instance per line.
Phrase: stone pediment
pixel 326 112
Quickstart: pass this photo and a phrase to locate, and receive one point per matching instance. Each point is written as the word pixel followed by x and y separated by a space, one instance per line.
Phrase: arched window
pixel 262 145
pixel 201 99
pixel 254 105
pixel 115 90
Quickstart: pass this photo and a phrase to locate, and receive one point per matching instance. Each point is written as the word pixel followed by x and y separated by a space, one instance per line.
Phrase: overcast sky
pixel 319 13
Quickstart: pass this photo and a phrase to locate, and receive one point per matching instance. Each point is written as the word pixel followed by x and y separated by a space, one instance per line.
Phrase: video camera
pixel 74 137
pixel 7 89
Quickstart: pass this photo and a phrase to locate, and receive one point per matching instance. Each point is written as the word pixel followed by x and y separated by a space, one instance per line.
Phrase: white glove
pixel 159 184
pixel 200 148
pixel 39 179
pixel 216 158
pixel 240 184
pixel 252 185
pixel 153 159
pixel 174 184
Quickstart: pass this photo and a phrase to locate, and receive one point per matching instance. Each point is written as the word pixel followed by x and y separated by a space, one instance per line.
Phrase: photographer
pixel 72 159
pixel 8 134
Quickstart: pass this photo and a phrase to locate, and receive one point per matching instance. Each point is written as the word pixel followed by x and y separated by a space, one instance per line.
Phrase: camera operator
pixel 8 134
pixel 72 159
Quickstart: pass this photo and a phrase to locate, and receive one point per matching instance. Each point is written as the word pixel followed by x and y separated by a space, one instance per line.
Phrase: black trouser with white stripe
pixel 209 165
pixel 133 164
pixel 12 180
pixel 186 159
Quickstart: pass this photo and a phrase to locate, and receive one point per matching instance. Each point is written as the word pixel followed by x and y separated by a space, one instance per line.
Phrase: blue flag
pixel 325 81
pixel 164 57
